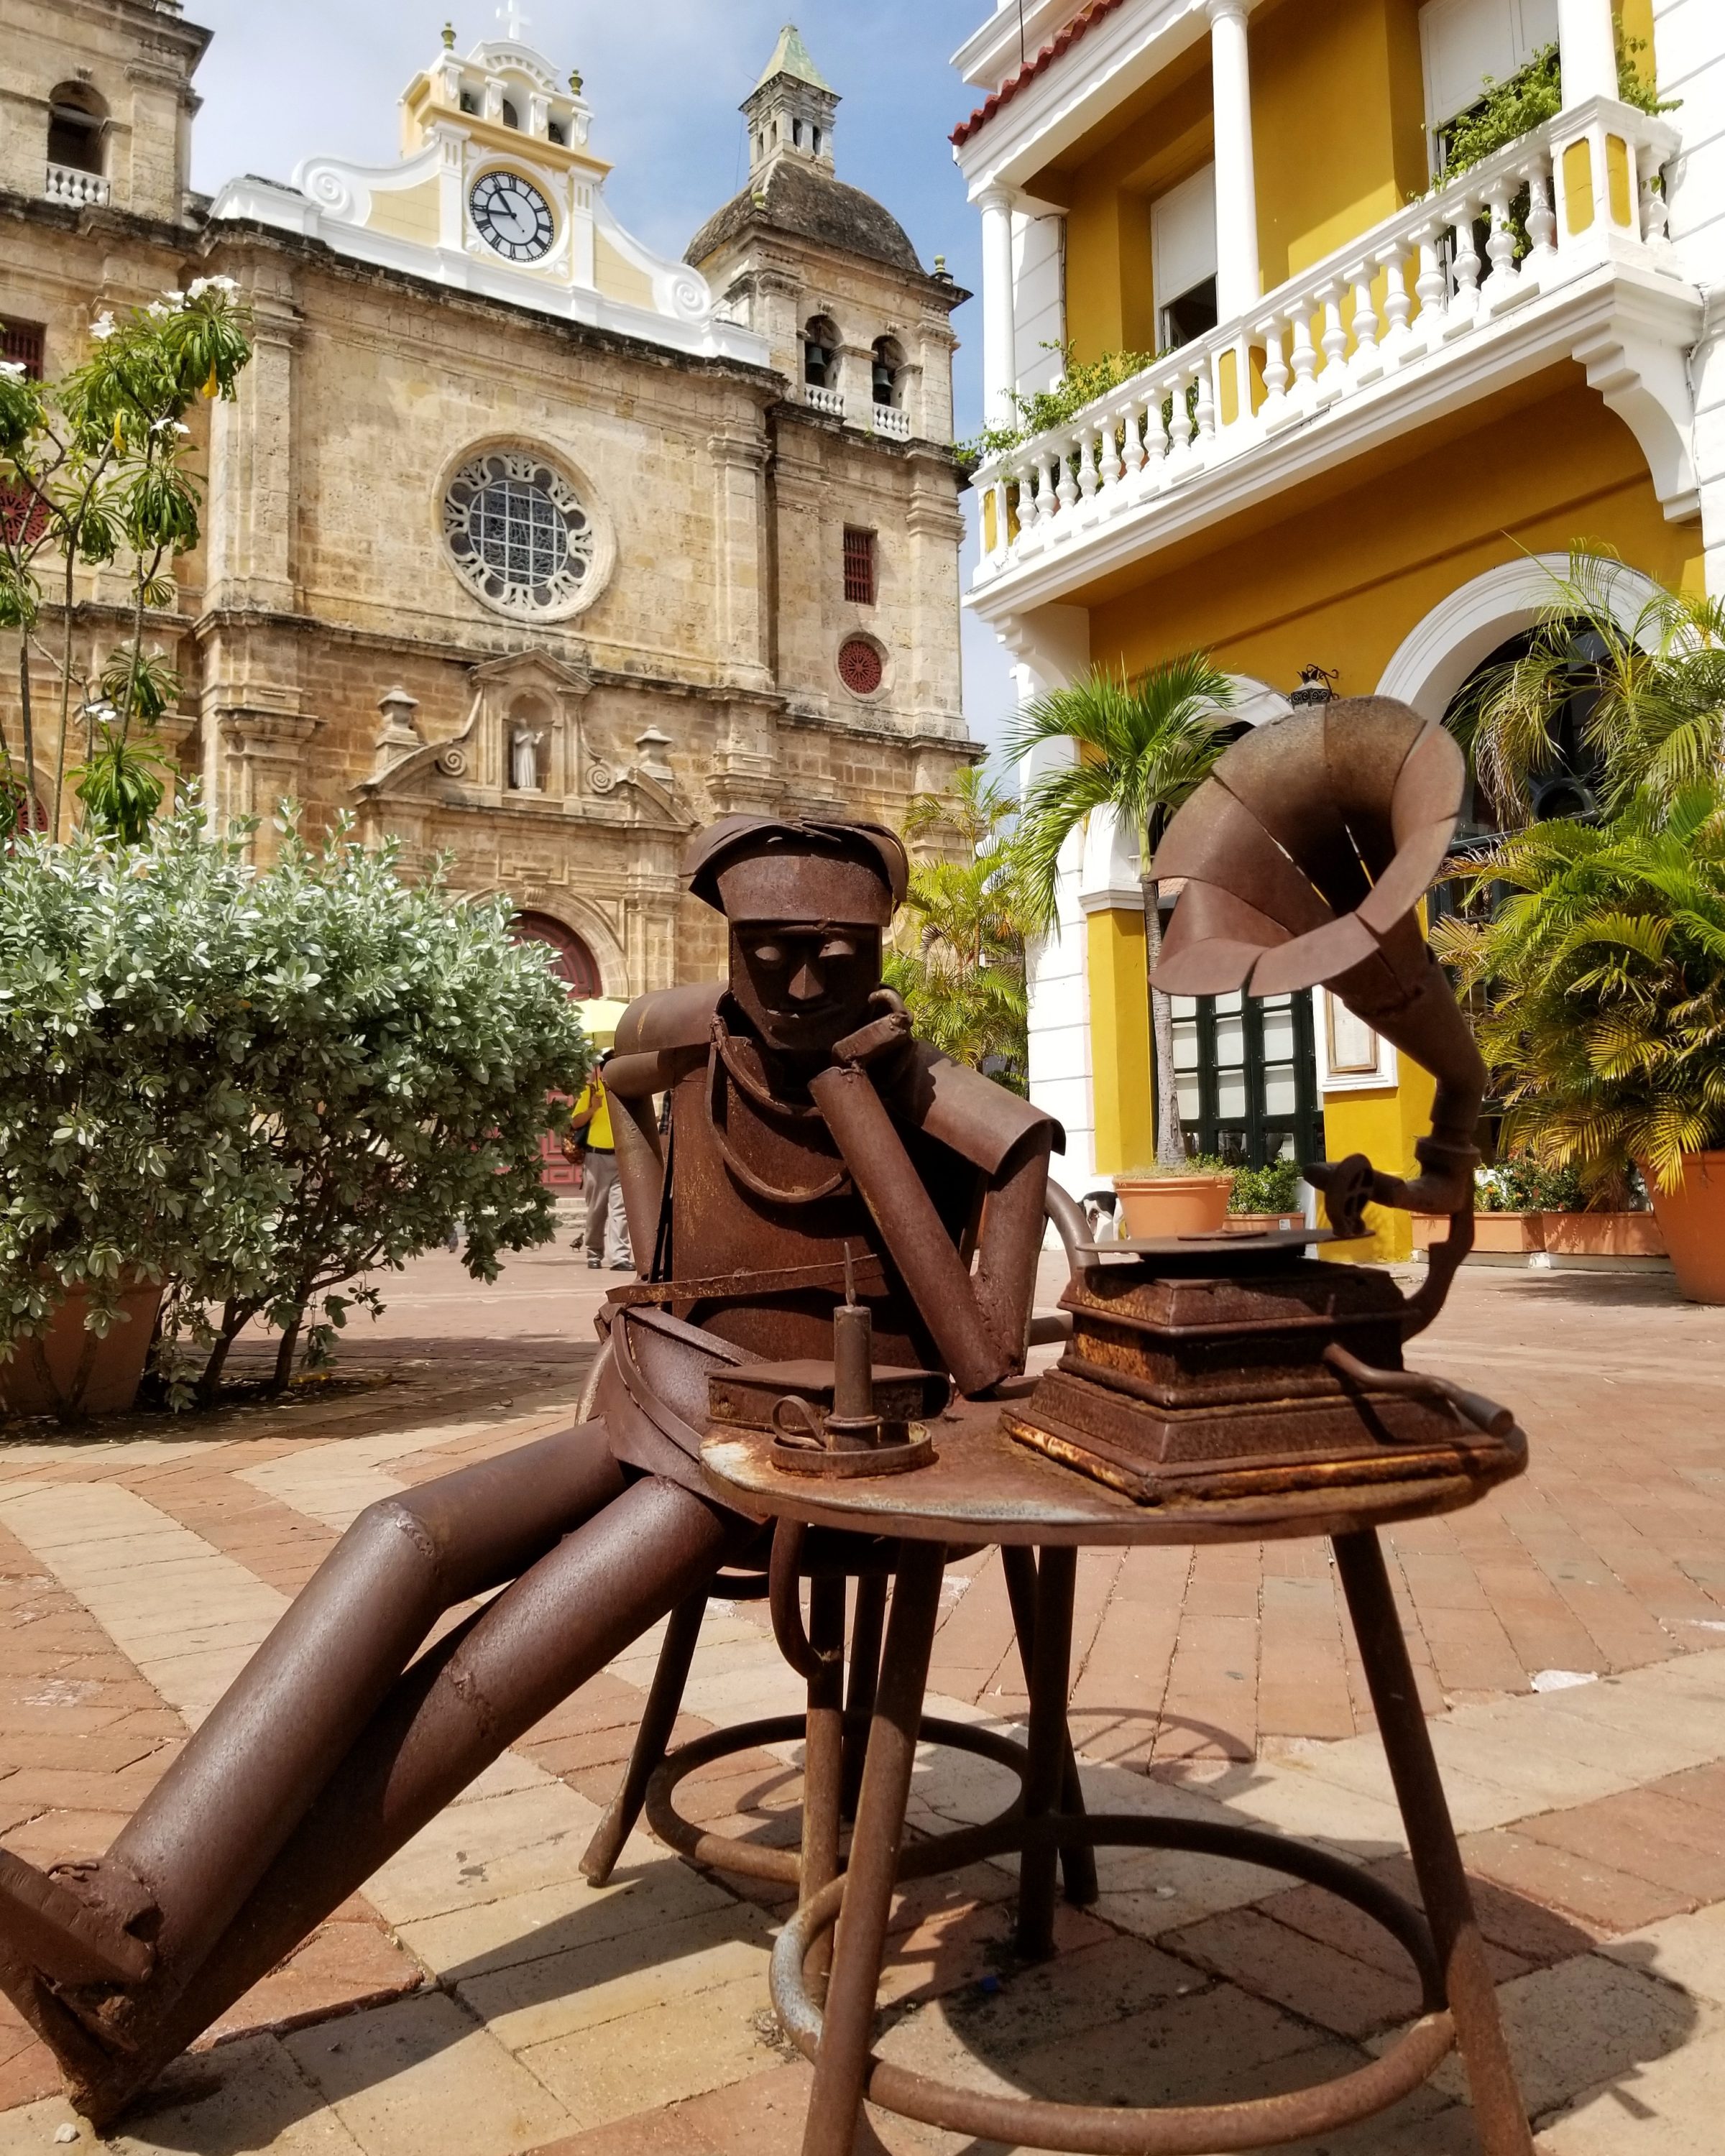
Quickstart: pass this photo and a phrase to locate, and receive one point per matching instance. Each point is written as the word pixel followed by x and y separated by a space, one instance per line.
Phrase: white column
pixel 1238 286
pixel 1587 45
pixel 999 334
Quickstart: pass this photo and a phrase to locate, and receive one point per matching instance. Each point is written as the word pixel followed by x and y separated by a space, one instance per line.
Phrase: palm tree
pixel 962 974
pixel 1605 975
pixel 1143 745
pixel 1657 723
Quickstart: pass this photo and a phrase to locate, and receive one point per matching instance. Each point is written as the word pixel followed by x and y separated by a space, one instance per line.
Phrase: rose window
pixel 518 533
pixel 860 666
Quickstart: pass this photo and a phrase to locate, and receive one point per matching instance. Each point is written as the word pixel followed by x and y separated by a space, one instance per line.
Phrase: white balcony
pixel 78 190
pixel 829 400
pixel 890 422
pixel 1411 321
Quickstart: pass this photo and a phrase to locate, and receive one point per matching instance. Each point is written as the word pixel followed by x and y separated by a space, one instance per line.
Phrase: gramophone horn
pixel 1304 856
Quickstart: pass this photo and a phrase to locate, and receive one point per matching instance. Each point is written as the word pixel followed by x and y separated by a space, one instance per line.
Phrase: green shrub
pixel 1530 96
pixel 1273 1189
pixel 1520 1184
pixel 259 1085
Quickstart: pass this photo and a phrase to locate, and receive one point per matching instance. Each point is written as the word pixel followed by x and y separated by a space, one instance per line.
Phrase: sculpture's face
pixel 803 986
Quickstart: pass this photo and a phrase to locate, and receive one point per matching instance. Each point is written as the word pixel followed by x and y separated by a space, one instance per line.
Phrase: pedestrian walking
pixel 591 1144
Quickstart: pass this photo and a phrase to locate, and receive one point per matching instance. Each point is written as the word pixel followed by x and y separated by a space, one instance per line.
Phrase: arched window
pixel 77 129
pixel 889 371
pixel 817 142
pixel 1565 785
pixel 820 352
pixel 554 133
pixel 576 965
pixel 511 118
pixel 796 134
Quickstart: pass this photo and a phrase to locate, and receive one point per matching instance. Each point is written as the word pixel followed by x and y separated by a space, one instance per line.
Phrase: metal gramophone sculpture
pixel 1234 1366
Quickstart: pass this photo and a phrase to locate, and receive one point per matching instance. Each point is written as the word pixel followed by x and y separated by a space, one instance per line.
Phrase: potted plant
pixel 1267 1198
pixel 1602 976
pixel 1522 1208
pixel 1189 1200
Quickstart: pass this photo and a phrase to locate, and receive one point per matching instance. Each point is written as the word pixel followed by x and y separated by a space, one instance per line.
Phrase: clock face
pixel 512 217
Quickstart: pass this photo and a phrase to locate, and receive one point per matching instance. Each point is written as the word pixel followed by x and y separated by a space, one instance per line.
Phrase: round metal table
pixel 985 1488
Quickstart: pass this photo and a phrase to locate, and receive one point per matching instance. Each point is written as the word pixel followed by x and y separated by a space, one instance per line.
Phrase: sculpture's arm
pixel 632 1082
pixel 978 1320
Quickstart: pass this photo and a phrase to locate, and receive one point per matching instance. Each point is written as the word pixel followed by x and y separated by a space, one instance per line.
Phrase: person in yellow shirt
pixel 591 1143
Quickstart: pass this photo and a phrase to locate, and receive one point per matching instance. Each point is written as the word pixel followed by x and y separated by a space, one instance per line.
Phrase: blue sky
pixel 665 79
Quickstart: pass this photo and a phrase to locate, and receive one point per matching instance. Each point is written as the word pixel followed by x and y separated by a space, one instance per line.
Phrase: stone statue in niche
pixel 524 759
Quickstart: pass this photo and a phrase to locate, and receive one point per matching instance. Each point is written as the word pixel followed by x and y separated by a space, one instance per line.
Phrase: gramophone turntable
pixel 1240 1365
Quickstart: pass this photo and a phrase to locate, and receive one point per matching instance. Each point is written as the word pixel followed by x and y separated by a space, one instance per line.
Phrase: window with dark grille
pixel 21 344
pixel 1247 1071
pixel 858 566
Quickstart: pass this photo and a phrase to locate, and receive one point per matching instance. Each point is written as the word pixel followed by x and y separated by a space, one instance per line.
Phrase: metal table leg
pixel 823 1743
pixel 1078 1863
pixel 1472 1996
pixel 867 1627
pixel 836 2102
pixel 1050 1666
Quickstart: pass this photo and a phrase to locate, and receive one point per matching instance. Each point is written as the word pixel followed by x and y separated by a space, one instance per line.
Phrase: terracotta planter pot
pixel 69 1372
pixel 1604 1234
pixel 1499 1233
pixel 1693 1219
pixel 1158 1205
pixel 1507 1231
pixel 1559 1234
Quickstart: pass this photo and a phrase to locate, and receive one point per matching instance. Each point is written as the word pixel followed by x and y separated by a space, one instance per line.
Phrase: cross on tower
pixel 513 21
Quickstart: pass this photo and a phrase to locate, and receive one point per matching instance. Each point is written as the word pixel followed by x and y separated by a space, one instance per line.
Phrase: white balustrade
pixel 1501 280
pixel 1366 363
pixel 80 190
pixel 1398 301
pixel 829 400
pixel 1406 296
pixel 892 421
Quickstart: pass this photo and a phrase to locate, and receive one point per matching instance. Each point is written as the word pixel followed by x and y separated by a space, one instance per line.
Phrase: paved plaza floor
pixel 479 1997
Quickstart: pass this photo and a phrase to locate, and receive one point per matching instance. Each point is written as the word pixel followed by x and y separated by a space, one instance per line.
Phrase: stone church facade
pixel 521 542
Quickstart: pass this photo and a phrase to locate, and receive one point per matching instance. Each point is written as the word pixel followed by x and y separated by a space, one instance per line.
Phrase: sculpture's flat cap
pixel 769 868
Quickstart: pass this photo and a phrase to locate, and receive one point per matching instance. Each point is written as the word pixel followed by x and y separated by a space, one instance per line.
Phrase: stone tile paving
pixel 480 1997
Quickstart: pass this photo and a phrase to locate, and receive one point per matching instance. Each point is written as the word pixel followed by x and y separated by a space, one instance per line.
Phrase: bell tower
pixel 96 104
pixel 790 109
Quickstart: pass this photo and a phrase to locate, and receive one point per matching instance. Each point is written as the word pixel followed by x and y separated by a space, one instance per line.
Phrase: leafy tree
pixel 261 1084
pixel 1604 974
pixel 1140 746
pixel 962 969
pixel 95 470
pixel 1657 724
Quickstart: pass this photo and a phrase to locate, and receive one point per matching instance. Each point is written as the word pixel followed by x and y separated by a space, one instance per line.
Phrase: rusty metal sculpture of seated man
pixel 804 1119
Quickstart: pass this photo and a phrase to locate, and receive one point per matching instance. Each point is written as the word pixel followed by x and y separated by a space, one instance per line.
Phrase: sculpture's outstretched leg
pixel 326 1693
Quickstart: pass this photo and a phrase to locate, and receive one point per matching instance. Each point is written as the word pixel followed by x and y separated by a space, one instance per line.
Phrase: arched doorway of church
pixel 576 966
pixel 578 969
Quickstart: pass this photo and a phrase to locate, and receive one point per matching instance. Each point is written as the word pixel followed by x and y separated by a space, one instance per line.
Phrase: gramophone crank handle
pixel 1485 1415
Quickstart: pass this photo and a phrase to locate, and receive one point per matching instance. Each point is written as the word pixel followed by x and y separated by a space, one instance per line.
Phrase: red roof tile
pixel 1029 72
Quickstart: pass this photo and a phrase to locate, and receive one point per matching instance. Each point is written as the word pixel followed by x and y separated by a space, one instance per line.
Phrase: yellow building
pixel 1387 398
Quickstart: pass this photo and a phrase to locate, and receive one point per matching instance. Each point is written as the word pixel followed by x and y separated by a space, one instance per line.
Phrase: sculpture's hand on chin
pixel 879 1044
